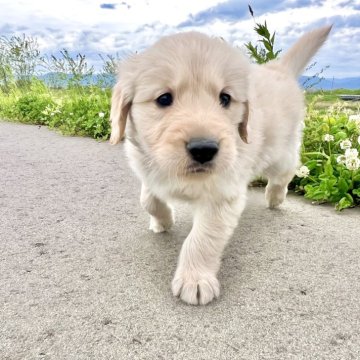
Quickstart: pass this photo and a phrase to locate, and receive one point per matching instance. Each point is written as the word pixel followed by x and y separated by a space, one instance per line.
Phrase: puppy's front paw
pixel 195 288
pixel 160 225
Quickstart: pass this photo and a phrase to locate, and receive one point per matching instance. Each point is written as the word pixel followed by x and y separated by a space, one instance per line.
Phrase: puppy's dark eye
pixel 225 99
pixel 164 100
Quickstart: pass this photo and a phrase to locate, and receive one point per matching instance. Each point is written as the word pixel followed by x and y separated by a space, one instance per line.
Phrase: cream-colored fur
pixel 259 133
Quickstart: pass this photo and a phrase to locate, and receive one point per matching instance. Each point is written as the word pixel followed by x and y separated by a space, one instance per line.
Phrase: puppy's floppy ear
pixel 120 106
pixel 243 125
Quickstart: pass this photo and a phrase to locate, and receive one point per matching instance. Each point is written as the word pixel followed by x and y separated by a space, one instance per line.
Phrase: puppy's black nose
pixel 202 150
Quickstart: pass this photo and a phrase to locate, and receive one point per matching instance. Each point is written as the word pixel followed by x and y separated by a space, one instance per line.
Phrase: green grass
pixel 323 100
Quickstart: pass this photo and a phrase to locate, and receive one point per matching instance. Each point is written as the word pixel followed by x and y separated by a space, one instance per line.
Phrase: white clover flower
pixel 345 144
pixel 341 159
pixel 101 114
pixel 302 172
pixel 351 153
pixel 354 117
pixel 353 163
pixel 328 137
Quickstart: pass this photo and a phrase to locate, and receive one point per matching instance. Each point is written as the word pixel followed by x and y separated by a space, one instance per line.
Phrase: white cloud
pixel 83 26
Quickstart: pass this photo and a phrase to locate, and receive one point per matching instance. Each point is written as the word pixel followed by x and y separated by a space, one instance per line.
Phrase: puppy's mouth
pixel 195 168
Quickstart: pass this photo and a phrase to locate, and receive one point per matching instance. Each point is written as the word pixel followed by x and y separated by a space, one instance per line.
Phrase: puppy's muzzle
pixel 202 150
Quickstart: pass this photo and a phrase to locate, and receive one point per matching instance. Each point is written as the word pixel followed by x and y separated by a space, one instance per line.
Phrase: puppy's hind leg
pixel 161 215
pixel 277 188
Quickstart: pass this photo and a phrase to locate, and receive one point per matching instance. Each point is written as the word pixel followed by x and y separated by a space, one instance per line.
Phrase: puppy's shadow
pixel 259 238
pixel 160 251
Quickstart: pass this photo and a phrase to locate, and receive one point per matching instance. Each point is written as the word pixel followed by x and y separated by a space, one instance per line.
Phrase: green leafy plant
pixel 8 99
pixel 30 106
pixel 77 111
pixel 263 52
pixel 85 114
pixel 330 158
pixel 19 58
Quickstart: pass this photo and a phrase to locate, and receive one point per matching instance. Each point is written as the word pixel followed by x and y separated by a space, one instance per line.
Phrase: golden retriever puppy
pixel 201 122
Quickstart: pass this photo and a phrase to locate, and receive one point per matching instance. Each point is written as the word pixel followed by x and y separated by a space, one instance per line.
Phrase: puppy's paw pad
pixel 196 289
pixel 158 226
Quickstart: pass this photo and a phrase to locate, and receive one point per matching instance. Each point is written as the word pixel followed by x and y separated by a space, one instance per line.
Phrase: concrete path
pixel 81 277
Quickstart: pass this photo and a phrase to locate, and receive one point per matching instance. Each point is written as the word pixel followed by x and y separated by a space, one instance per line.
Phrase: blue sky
pixel 109 27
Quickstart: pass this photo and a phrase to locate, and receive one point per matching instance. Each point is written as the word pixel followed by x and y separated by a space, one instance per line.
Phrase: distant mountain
pixel 352 83
pixel 61 80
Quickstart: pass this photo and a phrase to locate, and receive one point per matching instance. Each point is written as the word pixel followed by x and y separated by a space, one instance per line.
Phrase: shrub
pixel 7 104
pixel 78 111
pixel 330 158
pixel 29 108
pixel 82 112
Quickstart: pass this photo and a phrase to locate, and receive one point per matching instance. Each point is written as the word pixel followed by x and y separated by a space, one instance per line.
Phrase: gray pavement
pixel 81 277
